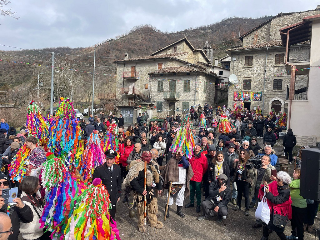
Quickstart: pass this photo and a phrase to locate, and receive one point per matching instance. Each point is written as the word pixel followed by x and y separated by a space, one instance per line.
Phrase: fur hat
pixel 146 156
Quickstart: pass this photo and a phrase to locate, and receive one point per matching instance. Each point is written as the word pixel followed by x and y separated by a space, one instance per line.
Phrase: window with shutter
pixel 277 84
pixel 160 66
pixel 185 107
pixel 160 86
pixel 248 60
pixel 159 106
pixel 279 59
pixel 247 84
pixel 186 86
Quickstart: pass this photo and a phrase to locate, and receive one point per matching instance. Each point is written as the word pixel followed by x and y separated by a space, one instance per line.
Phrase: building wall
pixel 298 53
pixel 270 31
pixel 202 91
pixel 258 78
pixel 143 68
pixel 305 118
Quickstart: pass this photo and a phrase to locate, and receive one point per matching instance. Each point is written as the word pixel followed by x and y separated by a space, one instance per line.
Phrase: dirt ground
pixel 238 226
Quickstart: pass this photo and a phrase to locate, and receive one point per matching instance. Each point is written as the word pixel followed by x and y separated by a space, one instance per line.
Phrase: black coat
pixel 88 130
pixel 121 122
pixel 99 127
pixel 252 131
pixel 269 137
pixel 212 169
pixel 18 215
pixel 289 140
pixel 255 148
pixel 112 180
pixel 260 124
pixel 214 193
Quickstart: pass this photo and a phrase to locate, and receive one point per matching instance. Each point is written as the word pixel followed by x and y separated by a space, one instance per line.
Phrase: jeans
pixel 234 191
pixel 195 189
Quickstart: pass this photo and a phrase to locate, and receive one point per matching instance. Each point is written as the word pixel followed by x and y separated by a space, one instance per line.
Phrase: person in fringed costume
pixel 144 179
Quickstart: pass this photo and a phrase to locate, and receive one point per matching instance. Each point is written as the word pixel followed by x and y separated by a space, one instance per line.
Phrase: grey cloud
pixel 85 23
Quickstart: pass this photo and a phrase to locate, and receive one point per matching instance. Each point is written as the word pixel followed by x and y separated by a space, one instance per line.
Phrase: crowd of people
pixel 227 166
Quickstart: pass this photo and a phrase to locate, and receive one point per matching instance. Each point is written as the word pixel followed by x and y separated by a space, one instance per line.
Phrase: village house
pixel 303 62
pixel 259 65
pixel 169 81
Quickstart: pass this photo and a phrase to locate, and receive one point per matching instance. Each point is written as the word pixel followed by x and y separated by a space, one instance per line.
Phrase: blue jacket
pixel 273 158
pixel 4 126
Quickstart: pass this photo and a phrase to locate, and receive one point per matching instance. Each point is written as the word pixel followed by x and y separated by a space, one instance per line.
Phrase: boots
pixel 179 212
pixel 167 216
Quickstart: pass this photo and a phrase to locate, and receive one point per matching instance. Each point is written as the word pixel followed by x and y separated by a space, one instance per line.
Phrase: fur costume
pixel 135 168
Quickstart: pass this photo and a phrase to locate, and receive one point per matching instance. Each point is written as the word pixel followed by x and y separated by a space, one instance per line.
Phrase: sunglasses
pixel 242 153
pixel 6 183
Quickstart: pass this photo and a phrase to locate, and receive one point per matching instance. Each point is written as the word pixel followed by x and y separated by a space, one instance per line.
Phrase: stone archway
pixel 277 104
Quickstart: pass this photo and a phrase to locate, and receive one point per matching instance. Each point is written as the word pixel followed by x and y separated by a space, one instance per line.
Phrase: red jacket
pixel 124 154
pixel 199 166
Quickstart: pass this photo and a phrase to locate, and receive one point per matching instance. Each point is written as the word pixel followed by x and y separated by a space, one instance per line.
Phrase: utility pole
pixel 94 70
pixel 38 94
pixel 52 72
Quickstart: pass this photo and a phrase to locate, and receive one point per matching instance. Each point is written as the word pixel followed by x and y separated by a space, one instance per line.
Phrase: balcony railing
pixel 131 75
pixel 171 96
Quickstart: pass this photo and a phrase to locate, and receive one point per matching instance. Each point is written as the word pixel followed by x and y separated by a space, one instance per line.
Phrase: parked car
pixel 78 114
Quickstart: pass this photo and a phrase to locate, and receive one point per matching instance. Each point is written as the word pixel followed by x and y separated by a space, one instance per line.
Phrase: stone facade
pixel 137 81
pixel 267 75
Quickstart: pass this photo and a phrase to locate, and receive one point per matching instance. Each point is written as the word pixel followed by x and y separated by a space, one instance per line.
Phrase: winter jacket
pixel 99 127
pixel 214 194
pixel 121 122
pixel 255 148
pixel 199 166
pixel 252 131
pixel 269 137
pixel 32 229
pixel 212 171
pixel 18 215
pixel 134 156
pixel 88 130
pixel 4 126
pixel 230 159
pixel 297 199
pixel 260 124
pixel 248 174
pixel 289 140
pixel 124 154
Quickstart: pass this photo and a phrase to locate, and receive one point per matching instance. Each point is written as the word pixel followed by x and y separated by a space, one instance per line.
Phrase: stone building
pixel 259 64
pixel 303 52
pixel 169 81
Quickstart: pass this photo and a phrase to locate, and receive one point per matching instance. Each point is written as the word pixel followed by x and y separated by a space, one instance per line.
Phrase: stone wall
pixel 202 91
pixel 262 74
pixel 143 68
pixel 298 53
pixel 270 31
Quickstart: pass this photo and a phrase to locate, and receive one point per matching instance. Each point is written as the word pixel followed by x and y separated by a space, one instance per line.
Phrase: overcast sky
pixel 79 23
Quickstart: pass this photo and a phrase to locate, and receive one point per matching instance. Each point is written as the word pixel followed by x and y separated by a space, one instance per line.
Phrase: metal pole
pixel 94 70
pixel 52 72
pixel 38 86
pixel 264 82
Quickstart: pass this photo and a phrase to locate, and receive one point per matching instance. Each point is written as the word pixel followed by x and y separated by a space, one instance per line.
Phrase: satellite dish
pixel 233 79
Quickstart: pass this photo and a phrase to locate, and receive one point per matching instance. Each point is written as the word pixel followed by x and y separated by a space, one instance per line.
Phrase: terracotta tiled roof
pixel 160 56
pixel 257 46
pixel 182 69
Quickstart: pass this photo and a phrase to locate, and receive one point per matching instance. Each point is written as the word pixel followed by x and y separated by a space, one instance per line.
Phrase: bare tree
pixel 4 10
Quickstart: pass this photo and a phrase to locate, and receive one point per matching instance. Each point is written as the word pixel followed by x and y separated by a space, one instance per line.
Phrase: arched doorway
pixel 276 105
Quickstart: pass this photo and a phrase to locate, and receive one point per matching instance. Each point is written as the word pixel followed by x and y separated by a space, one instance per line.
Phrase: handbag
pixel 279 221
pixel 263 211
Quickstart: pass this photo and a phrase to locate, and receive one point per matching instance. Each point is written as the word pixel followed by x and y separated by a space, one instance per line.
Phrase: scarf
pixel 218 169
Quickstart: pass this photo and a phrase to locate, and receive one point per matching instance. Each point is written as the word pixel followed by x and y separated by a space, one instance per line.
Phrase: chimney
pixel 208 51
pixel 216 62
pixel 126 56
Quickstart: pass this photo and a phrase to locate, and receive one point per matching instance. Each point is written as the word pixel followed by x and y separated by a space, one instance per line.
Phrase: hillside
pixel 73 67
